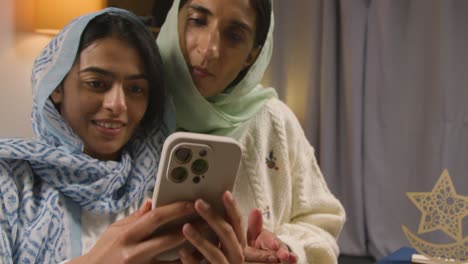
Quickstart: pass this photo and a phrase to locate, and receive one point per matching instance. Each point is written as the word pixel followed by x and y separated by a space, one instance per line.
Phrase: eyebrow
pixel 200 8
pixel 242 25
pixel 111 74
pixel 234 23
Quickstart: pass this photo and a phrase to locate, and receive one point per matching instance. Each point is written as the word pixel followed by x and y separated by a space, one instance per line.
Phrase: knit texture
pixel 279 174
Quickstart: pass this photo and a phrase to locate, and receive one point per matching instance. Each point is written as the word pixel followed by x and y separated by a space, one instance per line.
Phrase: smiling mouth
pixel 109 129
pixel 109 125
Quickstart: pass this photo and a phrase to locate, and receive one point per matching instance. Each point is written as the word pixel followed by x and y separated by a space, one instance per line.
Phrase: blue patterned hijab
pixel 38 175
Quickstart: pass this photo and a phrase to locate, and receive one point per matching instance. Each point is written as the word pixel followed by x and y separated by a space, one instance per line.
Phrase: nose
pixel 114 99
pixel 209 44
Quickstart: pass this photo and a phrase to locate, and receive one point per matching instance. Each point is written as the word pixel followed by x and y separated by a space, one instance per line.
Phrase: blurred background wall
pixel 17 53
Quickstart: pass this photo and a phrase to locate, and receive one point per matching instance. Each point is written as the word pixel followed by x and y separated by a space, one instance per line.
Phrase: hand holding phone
pixel 195 166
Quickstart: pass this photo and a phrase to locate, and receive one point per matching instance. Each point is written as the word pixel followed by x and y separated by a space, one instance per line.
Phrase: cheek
pixel 75 116
pixel 190 48
pixel 242 63
pixel 192 39
pixel 235 67
pixel 137 110
pixel 80 108
pixel 185 41
pixel 86 105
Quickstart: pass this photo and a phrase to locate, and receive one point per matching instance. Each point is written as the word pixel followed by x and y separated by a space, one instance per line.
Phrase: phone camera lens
pixel 196 179
pixel 179 174
pixel 183 155
pixel 199 166
pixel 202 153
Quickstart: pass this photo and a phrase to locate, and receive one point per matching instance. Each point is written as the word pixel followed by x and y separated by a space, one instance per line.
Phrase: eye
pixel 196 22
pixel 235 34
pixel 234 37
pixel 136 89
pixel 96 84
pixel 196 19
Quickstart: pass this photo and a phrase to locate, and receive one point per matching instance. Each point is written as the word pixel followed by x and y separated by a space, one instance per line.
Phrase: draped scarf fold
pixel 36 173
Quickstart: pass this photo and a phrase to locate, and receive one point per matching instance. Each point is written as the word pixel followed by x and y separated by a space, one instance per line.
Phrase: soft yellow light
pixel 52 15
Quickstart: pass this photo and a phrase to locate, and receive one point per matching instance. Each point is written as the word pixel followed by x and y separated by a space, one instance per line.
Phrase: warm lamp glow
pixel 52 15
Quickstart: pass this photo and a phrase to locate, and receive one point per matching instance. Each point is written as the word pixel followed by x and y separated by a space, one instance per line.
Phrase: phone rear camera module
pixel 179 174
pixel 199 166
pixel 183 155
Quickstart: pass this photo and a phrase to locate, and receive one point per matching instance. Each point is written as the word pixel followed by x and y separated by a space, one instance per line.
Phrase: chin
pixel 205 93
pixel 105 153
pixel 201 89
pixel 109 157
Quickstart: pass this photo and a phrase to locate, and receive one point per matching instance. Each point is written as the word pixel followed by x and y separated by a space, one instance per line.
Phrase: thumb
pixel 260 256
pixel 255 226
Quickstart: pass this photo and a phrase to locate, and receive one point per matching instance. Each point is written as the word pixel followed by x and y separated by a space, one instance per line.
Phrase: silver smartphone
pixel 195 166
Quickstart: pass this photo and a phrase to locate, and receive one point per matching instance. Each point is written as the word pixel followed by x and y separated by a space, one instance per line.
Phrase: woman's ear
pixel 252 56
pixel 57 95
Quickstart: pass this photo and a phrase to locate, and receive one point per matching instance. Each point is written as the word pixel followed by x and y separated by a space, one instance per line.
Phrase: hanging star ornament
pixel 442 209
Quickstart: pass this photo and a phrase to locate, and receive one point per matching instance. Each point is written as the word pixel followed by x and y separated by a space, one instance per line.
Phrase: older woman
pixel 215 53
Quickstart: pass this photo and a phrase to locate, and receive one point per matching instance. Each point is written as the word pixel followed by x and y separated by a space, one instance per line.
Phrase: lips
pixel 113 125
pixel 109 127
pixel 200 72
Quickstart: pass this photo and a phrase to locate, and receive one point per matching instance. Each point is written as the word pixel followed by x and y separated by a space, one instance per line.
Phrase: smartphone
pixel 195 166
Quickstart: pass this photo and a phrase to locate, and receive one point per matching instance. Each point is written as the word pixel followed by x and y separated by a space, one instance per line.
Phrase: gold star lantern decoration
pixel 442 209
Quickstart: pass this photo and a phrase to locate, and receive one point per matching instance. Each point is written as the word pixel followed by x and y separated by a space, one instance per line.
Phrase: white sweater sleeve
pixel 317 217
pixel 281 177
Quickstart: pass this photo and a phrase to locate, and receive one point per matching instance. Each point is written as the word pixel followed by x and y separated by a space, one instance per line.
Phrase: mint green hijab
pixel 224 114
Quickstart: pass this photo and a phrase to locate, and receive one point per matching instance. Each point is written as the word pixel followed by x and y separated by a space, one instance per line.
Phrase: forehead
pixel 112 53
pixel 228 10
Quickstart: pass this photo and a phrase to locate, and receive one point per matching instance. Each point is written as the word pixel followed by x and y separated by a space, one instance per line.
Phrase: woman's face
pixel 104 96
pixel 216 38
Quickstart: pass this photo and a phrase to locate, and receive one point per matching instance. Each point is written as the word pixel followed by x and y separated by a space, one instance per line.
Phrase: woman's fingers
pixel 234 217
pixel 267 240
pixel 255 226
pixel 145 207
pixel 134 236
pixel 153 247
pixel 260 255
pixel 133 239
pixel 223 230
pixel 293 258
pixel 211 253
pixel 285 255
pixel 145 226
pixel 188 258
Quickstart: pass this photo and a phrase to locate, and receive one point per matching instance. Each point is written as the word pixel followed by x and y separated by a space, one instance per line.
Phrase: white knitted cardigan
pixel 280 175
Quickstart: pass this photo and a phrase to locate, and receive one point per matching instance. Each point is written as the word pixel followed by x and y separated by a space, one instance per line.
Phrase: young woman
pixel 100 116
pixel 214 54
